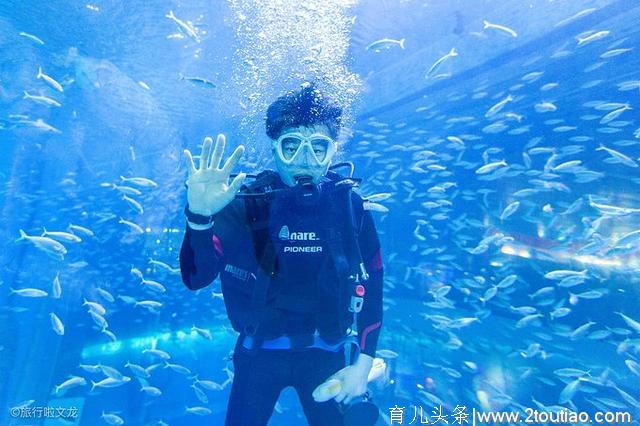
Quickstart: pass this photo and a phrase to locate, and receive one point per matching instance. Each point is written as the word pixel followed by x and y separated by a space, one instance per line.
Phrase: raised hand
pixel 208 189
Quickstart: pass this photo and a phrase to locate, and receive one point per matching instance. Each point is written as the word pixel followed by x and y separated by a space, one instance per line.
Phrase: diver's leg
pixel 257 382
pixel 311 368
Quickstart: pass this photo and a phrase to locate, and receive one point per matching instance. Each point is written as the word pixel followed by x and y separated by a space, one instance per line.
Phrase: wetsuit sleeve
pixel 370 318
pixel 202 254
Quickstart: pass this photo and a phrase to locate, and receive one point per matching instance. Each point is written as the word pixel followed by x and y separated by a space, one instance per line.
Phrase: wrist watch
pixel 197 218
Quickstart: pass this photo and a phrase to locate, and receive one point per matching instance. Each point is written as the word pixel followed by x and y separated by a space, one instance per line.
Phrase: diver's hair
pixel 306 106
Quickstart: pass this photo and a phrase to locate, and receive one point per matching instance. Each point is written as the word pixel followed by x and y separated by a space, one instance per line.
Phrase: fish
pixel 154 285
pixel 151 390
pixel 157 353
pixel 31 37
pixel 437 64
pixel 385 43
pixel 567 166
pixel 110 372
pixel 524 321
pixel 105 294
pixel 207 384
pixel 50 81
pixel 543 107
pixel 61 236
pixel 509 210
pixel 140 181
pixel 376 207
pixel 48 245
pixel 56 288
pixel 56 324
pixel 138 370
pixel 489 25
pixel 591 294
pixel 610 210
pixel 615 52
pixel 507 281
pixel 44 100
pixel 488 168
pixel 70 383
pixel 633 366
pixel 128 190
pixel 489 294
pixel 202 332
pixel 149 304
pixel 580 331
pixel 627 161
pixel 112 419
pixel 497 107
pixel 569 391
pixel 577 16
pixel 28 292
pixel 76 228
pixel 134 204
pixel 635 325
pixel 201 411
pixel 609 117
pixel 198 81
pixel 202 397
pixel 177 368
pixel 109 382
pixel 184 26
pixel 133 227
pixel 378 197
pixel 591 37
pixel 559 312
pixel 94 307
pixel 165 266
pixel 560 274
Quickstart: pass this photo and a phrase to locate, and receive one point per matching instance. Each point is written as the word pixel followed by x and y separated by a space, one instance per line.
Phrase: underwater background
pixel 499 141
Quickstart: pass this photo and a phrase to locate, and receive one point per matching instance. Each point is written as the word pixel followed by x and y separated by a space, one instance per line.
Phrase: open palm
pixel 208 188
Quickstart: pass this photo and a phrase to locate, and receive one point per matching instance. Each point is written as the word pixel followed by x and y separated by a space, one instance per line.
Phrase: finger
pixel 342 395
pixel 190 165
pixel 233 160
pixel 347 400
pixel 237 183
pixel 206 150
pixel 217 152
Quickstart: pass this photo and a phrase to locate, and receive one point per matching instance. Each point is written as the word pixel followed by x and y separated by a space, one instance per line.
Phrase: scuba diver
pixel 300 267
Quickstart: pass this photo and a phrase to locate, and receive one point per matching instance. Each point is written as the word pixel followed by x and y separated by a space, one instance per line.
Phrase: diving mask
pixel 299 155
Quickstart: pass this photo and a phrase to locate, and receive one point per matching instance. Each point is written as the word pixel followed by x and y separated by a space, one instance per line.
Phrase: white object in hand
pixel 332 387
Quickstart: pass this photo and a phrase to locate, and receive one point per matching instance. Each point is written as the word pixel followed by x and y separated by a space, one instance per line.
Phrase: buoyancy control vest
pixel 349 275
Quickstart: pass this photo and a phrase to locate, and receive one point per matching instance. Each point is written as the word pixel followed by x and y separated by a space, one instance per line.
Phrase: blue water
pixel 562 86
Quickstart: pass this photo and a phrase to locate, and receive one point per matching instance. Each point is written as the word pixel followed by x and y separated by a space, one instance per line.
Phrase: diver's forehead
pixel 308 130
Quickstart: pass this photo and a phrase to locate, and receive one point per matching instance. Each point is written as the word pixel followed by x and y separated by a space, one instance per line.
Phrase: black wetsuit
pixel 301 299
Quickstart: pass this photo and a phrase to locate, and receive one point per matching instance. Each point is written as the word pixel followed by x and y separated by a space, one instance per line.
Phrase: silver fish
pixel 385 43
pixel 184 26
pixel 31 37
pixel 44 100
pixel 489 25
pixel 50 246
pixel 28 292
pixel 56 324
pixel 497 107
pixel 50 81
pixel 437 64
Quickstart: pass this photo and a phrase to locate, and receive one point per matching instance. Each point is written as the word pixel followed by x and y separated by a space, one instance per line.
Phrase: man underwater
pixel 299 262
